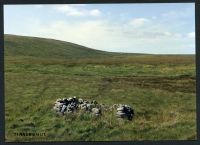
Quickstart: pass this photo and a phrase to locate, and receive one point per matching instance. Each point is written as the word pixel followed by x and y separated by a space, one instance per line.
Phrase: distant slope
pixel 34 47
pixel 46 48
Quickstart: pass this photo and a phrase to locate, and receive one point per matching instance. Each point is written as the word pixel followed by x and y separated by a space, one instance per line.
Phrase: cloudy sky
pixel 137 28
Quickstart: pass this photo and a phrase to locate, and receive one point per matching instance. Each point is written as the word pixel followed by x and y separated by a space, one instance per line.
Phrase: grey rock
pixel 96 111
pixel 120 109
pixel 69 105
pixel 59 104
pixel 88 106
pixel 83 106
pixel 85 102
pixel 120 113
pixel 125 111
pixel 64 108
pixel 70 99
pixel 64 99
pixel 80 101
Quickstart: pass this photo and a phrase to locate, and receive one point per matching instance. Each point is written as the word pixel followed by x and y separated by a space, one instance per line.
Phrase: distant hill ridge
pixel 35 47
pixel 47 48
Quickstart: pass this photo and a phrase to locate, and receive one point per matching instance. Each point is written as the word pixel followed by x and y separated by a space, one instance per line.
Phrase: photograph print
pixel 100 72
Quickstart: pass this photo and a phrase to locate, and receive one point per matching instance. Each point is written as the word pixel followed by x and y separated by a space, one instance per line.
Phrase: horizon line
pixel 140 53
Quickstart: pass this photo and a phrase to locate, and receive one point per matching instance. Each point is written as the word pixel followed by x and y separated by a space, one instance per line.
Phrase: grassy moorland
pixel 161 89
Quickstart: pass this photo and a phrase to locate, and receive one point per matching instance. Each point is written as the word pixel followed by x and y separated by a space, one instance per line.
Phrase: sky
pixel 134 28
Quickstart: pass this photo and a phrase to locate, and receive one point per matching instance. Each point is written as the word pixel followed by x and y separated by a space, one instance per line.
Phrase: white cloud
pixel 191 35
pixel 69 10
pixel 138 22
pixel 103 35
pixel 95 12
pixel 77 10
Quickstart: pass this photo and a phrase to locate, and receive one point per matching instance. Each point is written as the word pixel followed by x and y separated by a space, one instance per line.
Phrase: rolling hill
pixel 50 51
pixel 47 48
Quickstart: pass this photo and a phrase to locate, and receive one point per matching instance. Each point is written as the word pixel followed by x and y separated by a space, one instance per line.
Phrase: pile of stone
pixel 72 104
pixel 69 105
pixel 125 111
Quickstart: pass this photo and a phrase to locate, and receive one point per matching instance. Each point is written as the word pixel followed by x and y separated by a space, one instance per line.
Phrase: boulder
pixel 80 101
pixel 64 108
pixel 125 111
pixel 83 106
pixel 120 109
pixel 96 111
pixel 59 105
pixel 88 106
pixel 70 99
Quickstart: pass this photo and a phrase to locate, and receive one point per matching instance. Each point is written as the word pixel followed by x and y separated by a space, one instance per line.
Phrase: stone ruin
pixel 125 111
pixel 72 104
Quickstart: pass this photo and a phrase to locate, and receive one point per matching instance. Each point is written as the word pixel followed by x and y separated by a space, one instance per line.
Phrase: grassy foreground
pixel 160 88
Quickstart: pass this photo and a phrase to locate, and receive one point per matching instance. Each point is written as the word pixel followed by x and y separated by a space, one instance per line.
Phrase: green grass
pixel 161 89
pixel 46 48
